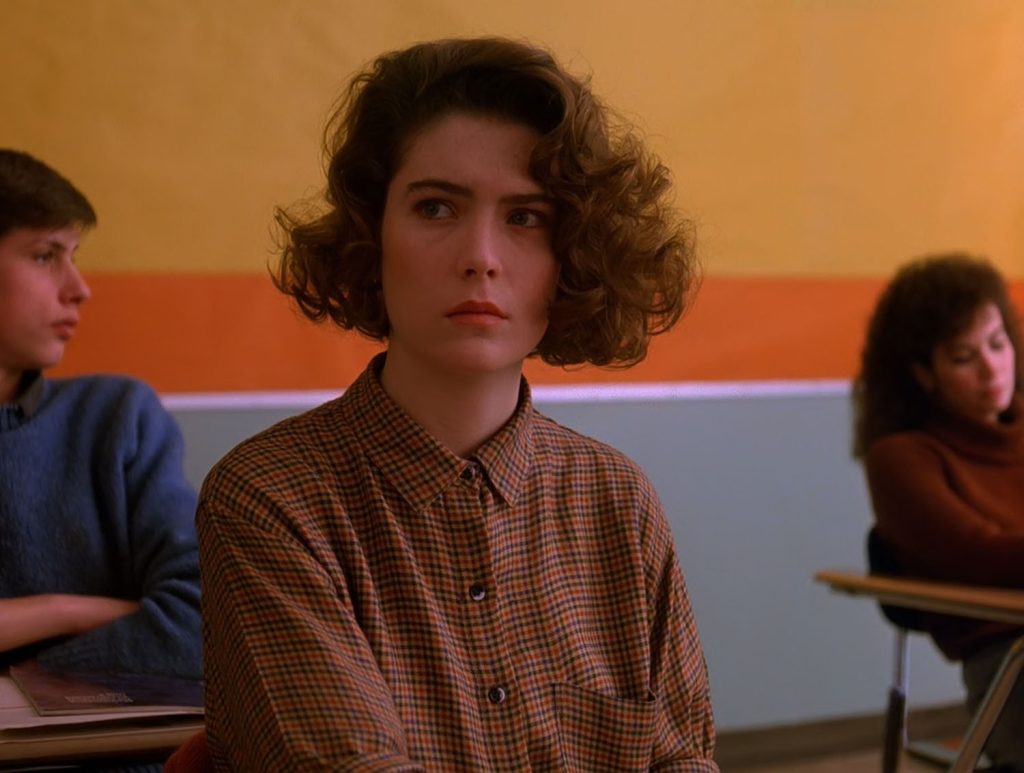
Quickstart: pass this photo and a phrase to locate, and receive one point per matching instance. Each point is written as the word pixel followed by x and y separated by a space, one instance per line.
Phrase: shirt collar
pixel 506 457
pixel 419 466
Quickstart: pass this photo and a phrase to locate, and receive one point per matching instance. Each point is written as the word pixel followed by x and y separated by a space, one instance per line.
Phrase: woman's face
pixel 467 264
pixel 973 374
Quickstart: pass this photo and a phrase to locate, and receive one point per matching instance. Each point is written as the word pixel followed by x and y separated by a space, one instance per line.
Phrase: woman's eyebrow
pixel 439 184
pixel 434 183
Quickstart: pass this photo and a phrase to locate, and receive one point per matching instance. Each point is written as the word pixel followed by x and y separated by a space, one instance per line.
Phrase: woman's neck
pixel 461 410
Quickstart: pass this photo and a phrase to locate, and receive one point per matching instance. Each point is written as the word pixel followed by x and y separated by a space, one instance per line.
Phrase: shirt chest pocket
pixel 600 733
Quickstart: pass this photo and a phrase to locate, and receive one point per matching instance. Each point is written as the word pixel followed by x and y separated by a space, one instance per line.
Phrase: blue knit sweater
pixel 93 500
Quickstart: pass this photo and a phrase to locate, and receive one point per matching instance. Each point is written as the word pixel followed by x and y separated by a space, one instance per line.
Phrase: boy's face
pixel 468 269
pixel 40 292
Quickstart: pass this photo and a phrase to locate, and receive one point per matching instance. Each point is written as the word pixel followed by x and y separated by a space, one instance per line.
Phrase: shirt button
pixel 477 592
pixel 497 695
pixel 468 473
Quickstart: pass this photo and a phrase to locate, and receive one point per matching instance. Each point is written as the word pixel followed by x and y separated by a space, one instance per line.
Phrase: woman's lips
pixel 476 313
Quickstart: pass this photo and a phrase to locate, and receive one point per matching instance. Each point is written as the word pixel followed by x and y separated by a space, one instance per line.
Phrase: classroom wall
pixel 815 144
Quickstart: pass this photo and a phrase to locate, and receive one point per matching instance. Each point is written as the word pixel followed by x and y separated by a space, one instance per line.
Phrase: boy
pixel 99 568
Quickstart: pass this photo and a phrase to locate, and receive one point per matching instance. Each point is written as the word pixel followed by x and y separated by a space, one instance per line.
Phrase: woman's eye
pixel 43 257
pixel 962 358
pixel 433 209
pixel 527 218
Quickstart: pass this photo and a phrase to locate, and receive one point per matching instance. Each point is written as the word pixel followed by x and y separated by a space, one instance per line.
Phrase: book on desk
pixel 47 716
pixel 53 693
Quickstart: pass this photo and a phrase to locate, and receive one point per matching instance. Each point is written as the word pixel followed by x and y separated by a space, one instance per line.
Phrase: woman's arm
pixel 291 681
pixel 685 731
pixel 937 532
pixel 30 619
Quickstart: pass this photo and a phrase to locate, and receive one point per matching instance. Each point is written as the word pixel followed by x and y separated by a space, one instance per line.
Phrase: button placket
pixel 480 617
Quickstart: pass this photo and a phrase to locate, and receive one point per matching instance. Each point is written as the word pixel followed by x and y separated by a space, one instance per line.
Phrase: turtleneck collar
pixel 1002 441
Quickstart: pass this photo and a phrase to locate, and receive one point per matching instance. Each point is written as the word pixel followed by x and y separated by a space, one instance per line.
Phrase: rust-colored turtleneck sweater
pixel 949 499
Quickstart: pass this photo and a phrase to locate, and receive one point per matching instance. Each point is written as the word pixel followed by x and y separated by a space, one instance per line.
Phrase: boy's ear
pixel 923 376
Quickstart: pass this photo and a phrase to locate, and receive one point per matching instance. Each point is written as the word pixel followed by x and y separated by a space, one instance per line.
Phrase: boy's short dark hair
pixel 32 195
pixel 626 260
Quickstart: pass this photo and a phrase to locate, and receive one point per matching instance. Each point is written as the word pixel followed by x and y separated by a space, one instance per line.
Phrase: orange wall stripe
pixel 200 333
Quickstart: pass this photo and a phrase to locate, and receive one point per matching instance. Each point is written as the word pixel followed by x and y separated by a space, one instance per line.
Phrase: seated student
pixel 939 426
pixel 99 569
pixel 427 573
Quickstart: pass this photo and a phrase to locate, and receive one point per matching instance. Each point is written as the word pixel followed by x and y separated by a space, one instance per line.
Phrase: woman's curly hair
pixel 930 301
pixel 626 260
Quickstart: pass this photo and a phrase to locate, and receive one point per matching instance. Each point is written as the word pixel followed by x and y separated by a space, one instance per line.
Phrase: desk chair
pixel 902 599
pixel 906 620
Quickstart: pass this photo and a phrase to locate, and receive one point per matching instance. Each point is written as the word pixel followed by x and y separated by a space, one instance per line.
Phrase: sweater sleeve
pixel 151 508
pixel 936 531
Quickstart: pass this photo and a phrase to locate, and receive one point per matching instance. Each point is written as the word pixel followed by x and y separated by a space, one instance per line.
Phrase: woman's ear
pixel 923 376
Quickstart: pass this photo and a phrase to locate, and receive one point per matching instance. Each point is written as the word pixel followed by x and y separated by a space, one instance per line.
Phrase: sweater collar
pixel 418 465
pixel 26 403
pixel 1002 441
pixel 30 395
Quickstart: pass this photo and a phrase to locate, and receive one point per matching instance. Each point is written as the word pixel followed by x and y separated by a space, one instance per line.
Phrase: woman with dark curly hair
pixel 938 424
pixel 427 573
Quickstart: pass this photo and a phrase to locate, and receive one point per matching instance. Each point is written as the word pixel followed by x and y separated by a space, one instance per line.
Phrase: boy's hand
pixel 83 613
pixel 29 619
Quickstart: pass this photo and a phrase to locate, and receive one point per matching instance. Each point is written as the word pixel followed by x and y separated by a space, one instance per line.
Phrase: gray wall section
pixel 760 493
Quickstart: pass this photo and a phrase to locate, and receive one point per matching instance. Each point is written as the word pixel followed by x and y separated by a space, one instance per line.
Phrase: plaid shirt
pixel 374 602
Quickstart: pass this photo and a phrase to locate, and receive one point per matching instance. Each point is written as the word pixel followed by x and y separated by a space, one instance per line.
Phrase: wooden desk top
pixel 1003 605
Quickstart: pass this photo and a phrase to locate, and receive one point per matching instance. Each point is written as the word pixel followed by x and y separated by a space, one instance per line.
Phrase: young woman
pixel 100 569
pixel 427 574
pixel 938 425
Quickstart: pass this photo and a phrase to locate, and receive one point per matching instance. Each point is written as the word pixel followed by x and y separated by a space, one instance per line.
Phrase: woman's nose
pixel 987 364
pixel 480 251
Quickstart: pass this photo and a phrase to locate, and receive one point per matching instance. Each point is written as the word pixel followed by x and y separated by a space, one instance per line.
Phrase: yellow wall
pixel 810 139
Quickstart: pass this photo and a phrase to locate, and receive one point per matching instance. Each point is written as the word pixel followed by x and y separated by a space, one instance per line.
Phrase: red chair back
pixel 193 756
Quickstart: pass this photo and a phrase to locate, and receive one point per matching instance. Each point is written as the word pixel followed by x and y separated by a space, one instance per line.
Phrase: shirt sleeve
pixel 291 680
pixel 145 494
pixel 685 734
pixel 936 531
